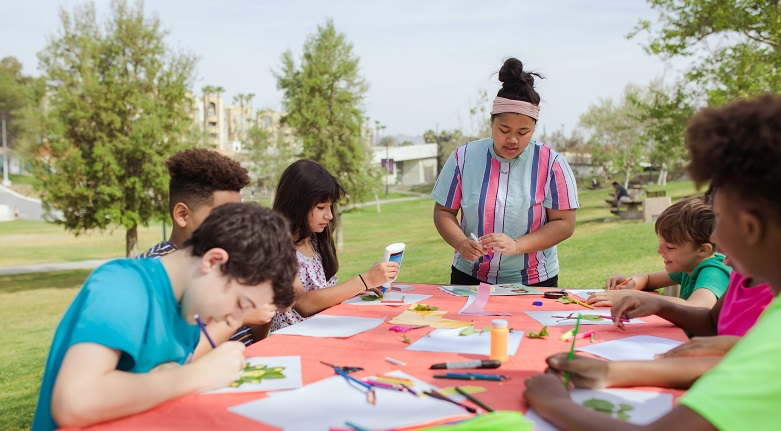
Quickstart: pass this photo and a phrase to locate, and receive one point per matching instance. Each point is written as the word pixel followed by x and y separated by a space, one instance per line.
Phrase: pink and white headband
pixel 502 105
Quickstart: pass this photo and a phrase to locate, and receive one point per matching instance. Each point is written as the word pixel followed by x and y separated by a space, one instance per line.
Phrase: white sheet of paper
pixel 496 290
pixel 635 348
pixel 648 406
pixel 408 298
pixel 292 374
pixel 449 340
pixel 331 326
pixel 548 318
pixel 581 293
pixel 333 401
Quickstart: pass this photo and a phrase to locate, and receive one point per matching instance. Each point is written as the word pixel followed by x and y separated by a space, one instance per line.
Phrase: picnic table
pixel 631 210
pixel 369 350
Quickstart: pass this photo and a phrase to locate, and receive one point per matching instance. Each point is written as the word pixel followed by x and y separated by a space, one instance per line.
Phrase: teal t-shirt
pixel 743 390
pixel 126 305
pixel 711 274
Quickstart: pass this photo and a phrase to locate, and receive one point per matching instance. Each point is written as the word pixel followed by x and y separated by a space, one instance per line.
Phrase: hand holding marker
pixel 474 237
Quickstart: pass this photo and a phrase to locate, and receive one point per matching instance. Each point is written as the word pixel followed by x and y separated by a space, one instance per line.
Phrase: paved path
pixel 47 267
pixel 91 264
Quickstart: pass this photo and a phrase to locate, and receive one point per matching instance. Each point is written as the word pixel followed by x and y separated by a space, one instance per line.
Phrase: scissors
pixel 346 369
pixel 571 316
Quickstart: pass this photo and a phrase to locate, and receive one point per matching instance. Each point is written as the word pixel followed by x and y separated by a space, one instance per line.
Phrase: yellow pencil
pixel 576 301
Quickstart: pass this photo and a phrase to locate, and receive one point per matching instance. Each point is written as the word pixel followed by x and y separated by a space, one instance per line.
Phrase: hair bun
pixel 511 74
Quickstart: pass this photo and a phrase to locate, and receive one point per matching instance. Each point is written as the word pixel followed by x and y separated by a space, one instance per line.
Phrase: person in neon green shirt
pixel 738 149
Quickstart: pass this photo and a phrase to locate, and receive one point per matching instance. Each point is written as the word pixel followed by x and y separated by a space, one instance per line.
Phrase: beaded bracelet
pixel 364 282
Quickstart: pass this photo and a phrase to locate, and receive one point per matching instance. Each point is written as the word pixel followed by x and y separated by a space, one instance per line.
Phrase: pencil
pixel 203 328
pixel 473 399
pixel 434 394
pixel 572 350
pixel 623 283
pixel 579 302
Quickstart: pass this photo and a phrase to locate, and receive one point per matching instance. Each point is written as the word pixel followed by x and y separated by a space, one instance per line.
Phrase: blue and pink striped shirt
pixel 509 196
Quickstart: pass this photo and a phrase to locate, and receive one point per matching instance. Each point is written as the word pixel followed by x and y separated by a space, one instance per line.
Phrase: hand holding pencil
pixel 618 281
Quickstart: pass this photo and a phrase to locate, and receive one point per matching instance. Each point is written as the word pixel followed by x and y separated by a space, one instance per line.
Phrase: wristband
pixel 364 282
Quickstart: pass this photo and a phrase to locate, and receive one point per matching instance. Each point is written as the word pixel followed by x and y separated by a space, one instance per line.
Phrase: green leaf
pixel 599 405
pixel 423 307
pixel 543 333
pixel 593 317
pixel 469 330
pixel 371 297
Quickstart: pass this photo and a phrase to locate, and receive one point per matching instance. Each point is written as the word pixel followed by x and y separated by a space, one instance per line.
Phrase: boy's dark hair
pixel 738 147
pixel 303 185
pixel 258 243
pixel 691 219
pixel 197 173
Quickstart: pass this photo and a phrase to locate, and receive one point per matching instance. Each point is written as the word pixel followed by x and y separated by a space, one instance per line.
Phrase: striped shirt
pixel 163 248
pixel 509 196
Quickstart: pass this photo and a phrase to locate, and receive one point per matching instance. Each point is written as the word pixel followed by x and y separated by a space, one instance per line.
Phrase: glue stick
pixel 499 333
pixel 393 253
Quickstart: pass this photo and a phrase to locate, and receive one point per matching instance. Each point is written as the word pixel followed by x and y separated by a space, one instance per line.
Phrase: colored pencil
pixel 473 399
pixel 203 328
pixel 433 393
pixel 623 283
pixel 572 350
pixel 579 302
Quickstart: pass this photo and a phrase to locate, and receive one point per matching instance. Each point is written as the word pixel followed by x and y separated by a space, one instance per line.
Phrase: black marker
pixel 466 364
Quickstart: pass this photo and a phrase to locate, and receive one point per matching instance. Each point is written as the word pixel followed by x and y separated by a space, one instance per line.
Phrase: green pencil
pixel 572 349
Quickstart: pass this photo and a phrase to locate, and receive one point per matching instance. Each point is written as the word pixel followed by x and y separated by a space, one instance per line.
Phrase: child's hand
pixel 608 297
pixel 615 280
pixel 703 346
pixel 381 273
pixel 221 366
pixel 542 389
pixel 633 306
pixel 263 313
pixel 583 372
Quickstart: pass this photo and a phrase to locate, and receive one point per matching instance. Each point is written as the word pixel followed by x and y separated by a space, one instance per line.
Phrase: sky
pixel 426 61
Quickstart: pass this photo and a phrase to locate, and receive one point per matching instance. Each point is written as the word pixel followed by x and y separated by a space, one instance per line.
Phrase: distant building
pixel 408 165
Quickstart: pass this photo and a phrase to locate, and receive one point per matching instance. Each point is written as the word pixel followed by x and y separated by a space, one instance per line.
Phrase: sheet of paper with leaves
pixel 496 290
pixel 467 340
pixel 401 297
pixel 267 373
pixel 581 293
pixel 570 316
pixel 432 318
pixel 637 407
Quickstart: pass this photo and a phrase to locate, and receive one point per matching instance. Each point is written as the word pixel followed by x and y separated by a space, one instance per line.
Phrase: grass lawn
pixel 32 304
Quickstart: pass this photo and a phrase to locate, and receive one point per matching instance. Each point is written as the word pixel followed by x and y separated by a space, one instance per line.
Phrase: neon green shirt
pixel 743 391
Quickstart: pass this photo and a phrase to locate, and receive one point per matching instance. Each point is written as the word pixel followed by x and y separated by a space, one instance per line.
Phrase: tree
pixel 19 95
pixel 665 112
pixel 447 142
pixel 323 98
pixel 616 128
pixel 118 108
pixel 735 44
pixel 269 155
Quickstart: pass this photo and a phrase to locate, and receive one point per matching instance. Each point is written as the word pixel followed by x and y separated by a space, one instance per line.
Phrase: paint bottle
pixel 499 332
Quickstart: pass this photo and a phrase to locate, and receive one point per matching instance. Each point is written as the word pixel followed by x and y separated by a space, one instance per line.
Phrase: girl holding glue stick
pixel 306 195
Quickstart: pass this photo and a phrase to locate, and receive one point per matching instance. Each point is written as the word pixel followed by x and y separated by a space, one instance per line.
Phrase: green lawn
pixel 31 305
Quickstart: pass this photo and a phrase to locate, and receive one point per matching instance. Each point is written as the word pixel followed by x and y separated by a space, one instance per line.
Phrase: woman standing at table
pixel 517 196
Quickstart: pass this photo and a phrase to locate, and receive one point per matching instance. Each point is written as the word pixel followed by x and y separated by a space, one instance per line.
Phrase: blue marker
pixel 474 237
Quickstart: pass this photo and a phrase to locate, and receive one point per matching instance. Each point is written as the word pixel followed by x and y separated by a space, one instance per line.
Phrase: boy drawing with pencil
pixel 126 342
pixel 684 229
pixel 738 149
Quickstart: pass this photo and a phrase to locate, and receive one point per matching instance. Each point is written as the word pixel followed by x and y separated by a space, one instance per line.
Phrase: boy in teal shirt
pixel 132 317
pixel 684 231
pixel 738 149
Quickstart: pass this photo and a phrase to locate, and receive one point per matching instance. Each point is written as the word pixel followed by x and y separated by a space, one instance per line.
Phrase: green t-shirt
pixel 743 391
pixel 711 274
